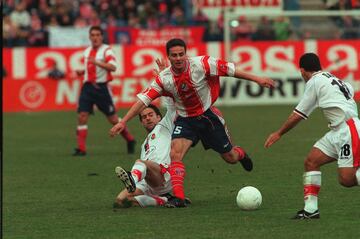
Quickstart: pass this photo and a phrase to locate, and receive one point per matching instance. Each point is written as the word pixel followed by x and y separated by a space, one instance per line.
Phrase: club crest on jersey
pixel 222 66
pixel 184 87
pixel 153 136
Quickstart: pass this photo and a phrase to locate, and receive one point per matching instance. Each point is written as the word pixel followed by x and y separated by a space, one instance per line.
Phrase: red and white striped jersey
pixel 95 73
pixel 194 90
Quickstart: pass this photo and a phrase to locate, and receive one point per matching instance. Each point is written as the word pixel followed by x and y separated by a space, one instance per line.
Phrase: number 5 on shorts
pixel 177 130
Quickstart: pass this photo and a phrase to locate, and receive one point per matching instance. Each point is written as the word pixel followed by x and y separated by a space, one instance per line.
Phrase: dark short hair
pixel 156 110
pixel 96 28
pixel 174 42
pixel 310 62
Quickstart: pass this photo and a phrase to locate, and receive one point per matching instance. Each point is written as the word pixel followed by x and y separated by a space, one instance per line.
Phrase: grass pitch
pixel 47 193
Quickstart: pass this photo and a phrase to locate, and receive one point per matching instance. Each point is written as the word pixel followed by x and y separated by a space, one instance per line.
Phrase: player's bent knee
pixel 347 181
pixel 113 119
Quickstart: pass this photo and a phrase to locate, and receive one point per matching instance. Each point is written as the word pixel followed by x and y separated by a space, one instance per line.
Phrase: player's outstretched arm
pixel 290 123
pixel 263 81
pixel 133 111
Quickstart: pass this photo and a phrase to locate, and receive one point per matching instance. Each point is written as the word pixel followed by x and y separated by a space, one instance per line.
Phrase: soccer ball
pixel 249 198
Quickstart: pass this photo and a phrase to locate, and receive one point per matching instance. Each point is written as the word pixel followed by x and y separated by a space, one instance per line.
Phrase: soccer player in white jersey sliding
pixel 148 183
pixel 341 143
pixel 193 83
pixel 99 61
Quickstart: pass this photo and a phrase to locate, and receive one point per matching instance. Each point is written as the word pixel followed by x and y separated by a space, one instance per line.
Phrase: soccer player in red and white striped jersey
pixel 193 83
pixel 99 61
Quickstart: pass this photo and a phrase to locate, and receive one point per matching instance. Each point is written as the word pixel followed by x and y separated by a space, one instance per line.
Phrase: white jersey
pixel 330 94
pixel 96 74
pixel 156 146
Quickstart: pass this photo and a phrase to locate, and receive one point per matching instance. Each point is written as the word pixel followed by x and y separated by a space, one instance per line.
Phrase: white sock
pixel 312 184
pixel 150 201
pixel 138 171
pixel 358 176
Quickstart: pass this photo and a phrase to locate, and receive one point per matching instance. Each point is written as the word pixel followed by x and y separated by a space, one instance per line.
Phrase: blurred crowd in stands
pixel 26 22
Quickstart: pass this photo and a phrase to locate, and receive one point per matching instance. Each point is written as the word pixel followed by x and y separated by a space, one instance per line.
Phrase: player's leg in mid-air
pixel 219 139
pixel 105 104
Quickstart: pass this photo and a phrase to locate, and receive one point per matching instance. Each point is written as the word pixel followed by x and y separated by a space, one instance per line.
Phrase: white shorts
pixel 148 190
pixel 343 144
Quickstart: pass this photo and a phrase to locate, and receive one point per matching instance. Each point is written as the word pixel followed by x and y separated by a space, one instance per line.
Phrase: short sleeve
pixel 154 91
pixel 110 57
pixel 218 67
pixel 308 101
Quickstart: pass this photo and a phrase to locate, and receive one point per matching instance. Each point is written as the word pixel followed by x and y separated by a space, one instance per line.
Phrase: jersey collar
pixel 315 73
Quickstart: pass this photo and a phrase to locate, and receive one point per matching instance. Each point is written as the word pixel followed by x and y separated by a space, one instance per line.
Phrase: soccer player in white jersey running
pixel 99 61
pixel 148 183
pixel 341 143
pixel 193 83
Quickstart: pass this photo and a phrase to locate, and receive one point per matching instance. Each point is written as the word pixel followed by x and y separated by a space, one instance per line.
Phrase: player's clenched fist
pixel 117 129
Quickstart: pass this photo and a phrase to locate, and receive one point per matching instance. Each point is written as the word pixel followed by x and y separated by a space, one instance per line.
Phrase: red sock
pixel 81 134
pixel 126 135
pixel 177 173
pixel 240 151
